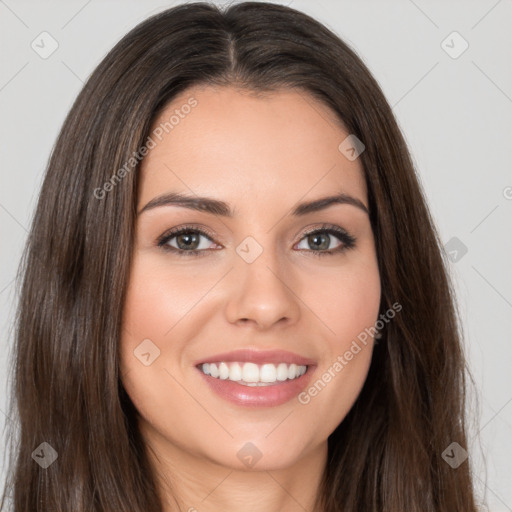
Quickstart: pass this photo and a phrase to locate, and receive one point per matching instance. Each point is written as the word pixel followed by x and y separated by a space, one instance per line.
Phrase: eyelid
pixel 188 227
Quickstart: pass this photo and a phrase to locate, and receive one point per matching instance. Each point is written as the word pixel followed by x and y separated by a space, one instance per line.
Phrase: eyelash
pixel 348 241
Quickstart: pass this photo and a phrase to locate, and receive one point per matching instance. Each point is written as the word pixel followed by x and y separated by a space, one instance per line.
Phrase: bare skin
pixel 262 156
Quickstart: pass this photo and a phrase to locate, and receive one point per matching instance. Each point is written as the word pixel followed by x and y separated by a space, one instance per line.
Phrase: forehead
pixel 226 142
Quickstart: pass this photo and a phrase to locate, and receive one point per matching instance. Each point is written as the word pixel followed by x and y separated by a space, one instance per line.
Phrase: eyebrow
pixel 217 207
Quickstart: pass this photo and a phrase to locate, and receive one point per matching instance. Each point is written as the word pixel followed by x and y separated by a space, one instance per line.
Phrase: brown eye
pixel 319 240
pixel 188 241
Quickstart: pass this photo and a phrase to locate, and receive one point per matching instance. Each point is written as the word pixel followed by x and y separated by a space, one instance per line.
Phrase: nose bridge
pixel 261 291
pixel 259 264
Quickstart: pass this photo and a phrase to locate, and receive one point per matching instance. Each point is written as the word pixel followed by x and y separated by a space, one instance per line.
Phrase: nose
pixel 262 293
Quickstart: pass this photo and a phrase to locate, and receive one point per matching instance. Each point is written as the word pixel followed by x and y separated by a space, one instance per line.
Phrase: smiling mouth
pixel 252 374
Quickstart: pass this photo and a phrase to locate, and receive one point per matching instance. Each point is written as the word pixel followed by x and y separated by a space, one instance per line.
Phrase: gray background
pixel 456 114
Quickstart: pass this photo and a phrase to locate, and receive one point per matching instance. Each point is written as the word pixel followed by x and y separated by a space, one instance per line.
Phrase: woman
pixel 234 296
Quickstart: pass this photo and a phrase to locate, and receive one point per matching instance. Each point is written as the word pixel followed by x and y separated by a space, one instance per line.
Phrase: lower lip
pixel 258 396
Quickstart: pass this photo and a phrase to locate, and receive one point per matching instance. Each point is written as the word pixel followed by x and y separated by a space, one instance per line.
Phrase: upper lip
pixel 258 357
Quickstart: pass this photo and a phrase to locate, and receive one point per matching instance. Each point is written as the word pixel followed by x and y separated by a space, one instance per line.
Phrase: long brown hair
pixel 387 454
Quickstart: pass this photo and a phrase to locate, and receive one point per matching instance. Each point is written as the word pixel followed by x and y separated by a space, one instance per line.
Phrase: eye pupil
pixel 188 236
pixel 316 236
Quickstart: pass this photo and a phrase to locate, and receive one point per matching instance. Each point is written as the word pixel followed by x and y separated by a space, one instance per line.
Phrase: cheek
pixel 348 304
pixel 345 300
pixel 151 309
pixel 157 299
pixel 356 306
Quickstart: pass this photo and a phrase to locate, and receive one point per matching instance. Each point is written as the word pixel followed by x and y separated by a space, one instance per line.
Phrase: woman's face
pixel 255 281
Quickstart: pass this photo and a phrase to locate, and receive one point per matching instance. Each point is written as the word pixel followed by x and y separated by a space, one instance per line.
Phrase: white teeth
pixel 282 372
pixel 223 371
pixel 214 371
pixel 268 373
pixel 251 374
pixel 235 372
